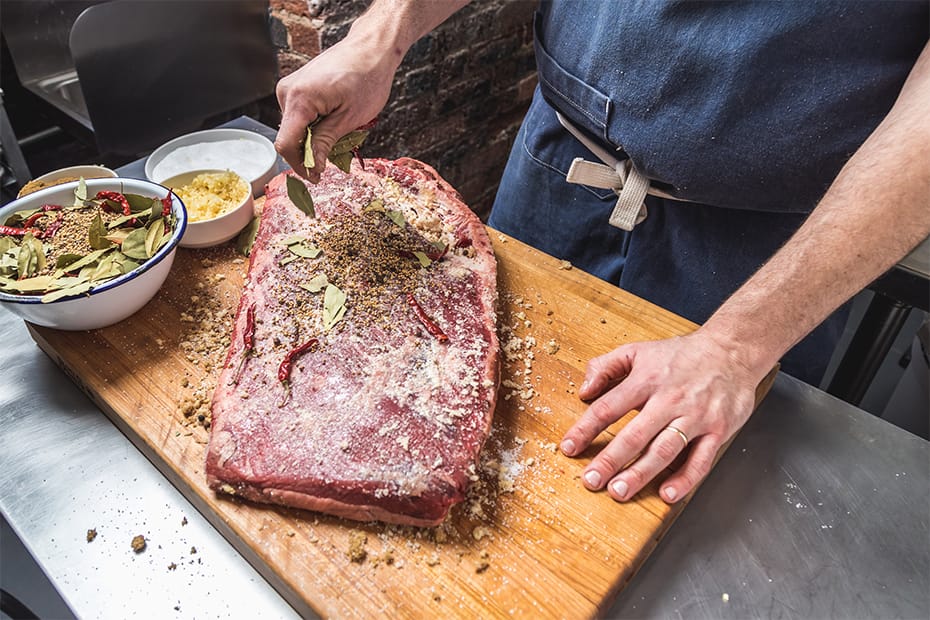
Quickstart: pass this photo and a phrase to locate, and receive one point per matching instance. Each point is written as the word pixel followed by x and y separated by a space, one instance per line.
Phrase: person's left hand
pixel 692 392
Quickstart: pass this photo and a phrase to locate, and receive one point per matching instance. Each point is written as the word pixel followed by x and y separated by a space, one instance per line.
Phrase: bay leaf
pixel 309 160
pixel 128 265
pixel 138 204
pixel 334 306
pixel 343 161
pixel 6 244
pixel 423 258
pixel 31 259
pixel 293 239
pixel 80 193
pixel 90 259
pixel 397 217
pixel 34 284
pixel 106 269
pixel 300 195
pixel 315 284
pixel 246 238
pixel 376 205
pixel 119 235
pixel 165 238
pixel 348 142
pixel 134 244
pixel 305 250
pixel 117 222
pixel 153 236
pixel 97 234
pixel 66 259
pixel 288 260
pixel 78 289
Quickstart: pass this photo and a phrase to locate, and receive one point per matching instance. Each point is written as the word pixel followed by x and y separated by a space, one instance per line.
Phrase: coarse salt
pixel 244 157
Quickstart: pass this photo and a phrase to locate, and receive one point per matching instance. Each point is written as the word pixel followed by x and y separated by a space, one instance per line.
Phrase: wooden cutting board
pixel 529 542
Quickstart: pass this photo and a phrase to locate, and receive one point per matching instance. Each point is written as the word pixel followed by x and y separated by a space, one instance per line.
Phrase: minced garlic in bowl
pixel 212 194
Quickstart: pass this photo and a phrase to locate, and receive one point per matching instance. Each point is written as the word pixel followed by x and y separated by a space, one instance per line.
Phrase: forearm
pixel 877 209
pixel 392 26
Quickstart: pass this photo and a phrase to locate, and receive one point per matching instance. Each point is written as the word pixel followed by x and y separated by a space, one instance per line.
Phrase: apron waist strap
pixel 628 183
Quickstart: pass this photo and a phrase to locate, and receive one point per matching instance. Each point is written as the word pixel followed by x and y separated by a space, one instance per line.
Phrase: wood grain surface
pixel 529 542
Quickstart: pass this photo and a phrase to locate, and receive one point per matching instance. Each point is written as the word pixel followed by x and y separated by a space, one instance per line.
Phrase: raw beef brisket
pixel 375 407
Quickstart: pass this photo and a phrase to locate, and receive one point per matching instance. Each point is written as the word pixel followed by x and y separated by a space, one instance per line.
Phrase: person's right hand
pixel 346 86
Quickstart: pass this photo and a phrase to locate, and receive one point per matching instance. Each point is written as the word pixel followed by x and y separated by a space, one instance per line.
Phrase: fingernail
pixel 585 385
pixel 593 479
pixel 620 488
pixel 670 493
pixel 568 447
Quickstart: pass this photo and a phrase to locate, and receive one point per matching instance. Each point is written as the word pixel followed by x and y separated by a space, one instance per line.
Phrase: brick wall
pixel 458 97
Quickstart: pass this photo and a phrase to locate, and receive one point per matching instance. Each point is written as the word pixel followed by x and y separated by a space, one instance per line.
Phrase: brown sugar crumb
pixel 193 550
pixel 564 264
pixel 357 552
pixel 91 534
pixel 482 566
pixel 138 543
pixel 183 520
pixel 172 566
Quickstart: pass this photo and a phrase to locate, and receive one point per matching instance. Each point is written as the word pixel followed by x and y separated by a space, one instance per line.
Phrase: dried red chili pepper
pixel 428 323
pixel 19 232
pixel 32 219
pixel 435 255
pixel 166 205
pixel 52 228
pixel 358 156
pixel 117 198
pixel 284 370
pixel 248 341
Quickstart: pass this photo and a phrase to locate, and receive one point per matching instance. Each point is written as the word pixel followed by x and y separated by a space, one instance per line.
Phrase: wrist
pixel 380 37
pixel 752 354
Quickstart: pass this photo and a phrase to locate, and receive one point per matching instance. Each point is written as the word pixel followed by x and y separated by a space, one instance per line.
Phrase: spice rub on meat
pixel 363 370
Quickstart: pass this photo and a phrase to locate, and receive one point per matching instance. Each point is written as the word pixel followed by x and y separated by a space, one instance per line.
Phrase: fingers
pixel 290 138
pixel 696 467
pixel 641 450
pixel 603 412
pixel 602 378
pixel 326 133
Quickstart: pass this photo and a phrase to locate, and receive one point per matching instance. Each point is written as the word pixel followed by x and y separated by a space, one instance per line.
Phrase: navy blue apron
pixel 747 109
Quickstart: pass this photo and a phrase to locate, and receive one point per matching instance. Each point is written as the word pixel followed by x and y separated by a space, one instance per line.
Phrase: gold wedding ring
pixel 681 434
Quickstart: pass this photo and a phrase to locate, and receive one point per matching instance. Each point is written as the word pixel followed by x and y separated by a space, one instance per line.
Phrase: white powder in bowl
pixel 244 157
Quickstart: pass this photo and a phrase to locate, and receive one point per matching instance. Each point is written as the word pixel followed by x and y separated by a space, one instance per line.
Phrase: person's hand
pixel 692 393
pixel 346 86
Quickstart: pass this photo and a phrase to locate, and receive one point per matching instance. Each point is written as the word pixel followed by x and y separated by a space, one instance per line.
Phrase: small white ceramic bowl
pixel 115 299
pixel 216 230
pixel 71 173
pixel 248 154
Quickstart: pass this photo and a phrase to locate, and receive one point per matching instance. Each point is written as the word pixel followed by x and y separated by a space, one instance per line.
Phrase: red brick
pixel 305 38
pixel 294 7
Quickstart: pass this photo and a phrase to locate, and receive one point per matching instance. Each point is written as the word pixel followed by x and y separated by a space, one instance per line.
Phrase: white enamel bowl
pixel 248 154
pixel 216 230
pixel 115 299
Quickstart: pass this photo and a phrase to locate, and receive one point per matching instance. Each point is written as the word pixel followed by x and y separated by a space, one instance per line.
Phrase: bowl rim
pixel 218 134
pixel 110 173
pixel 176 205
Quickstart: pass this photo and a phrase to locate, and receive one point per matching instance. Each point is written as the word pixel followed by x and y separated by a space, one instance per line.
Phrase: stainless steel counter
pixel 817 510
